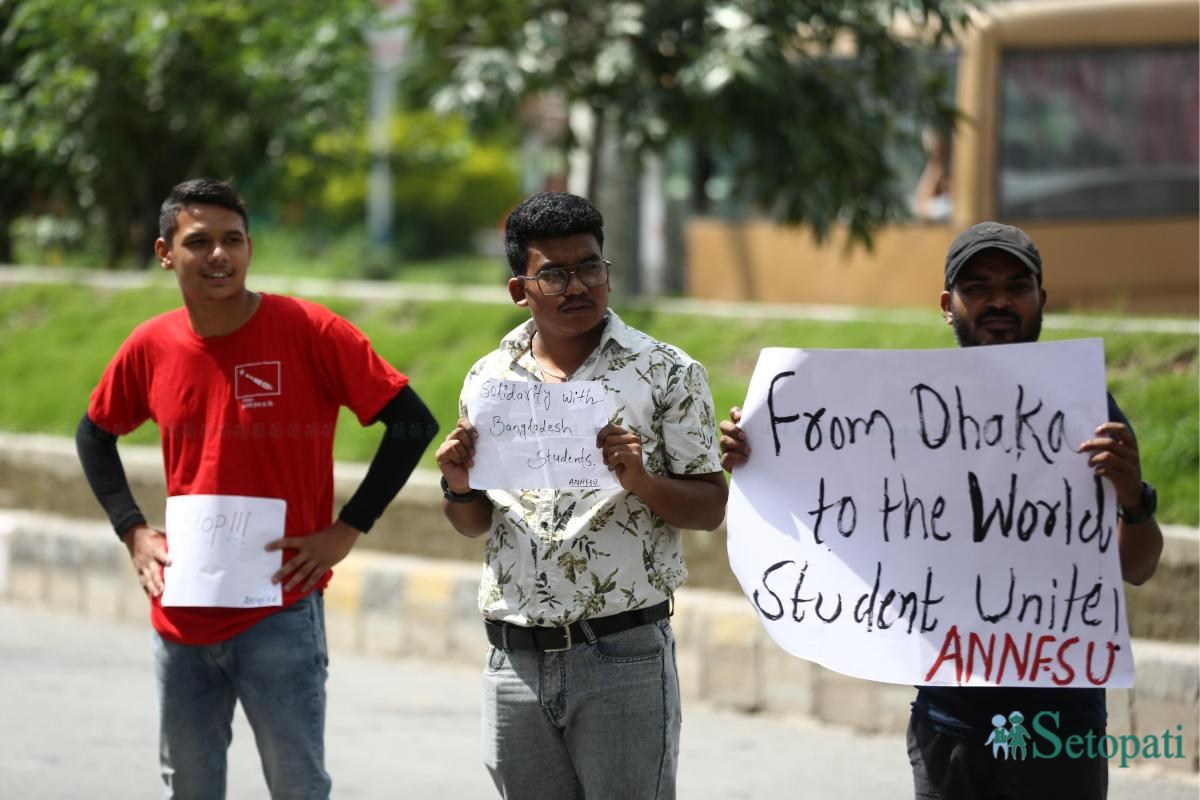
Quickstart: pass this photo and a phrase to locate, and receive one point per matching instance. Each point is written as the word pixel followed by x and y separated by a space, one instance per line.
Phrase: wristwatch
pixel 1149 504
pixel 455 497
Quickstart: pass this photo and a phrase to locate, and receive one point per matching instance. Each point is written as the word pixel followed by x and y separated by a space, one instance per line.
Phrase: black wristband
pixel 1149 505
pixel 455 497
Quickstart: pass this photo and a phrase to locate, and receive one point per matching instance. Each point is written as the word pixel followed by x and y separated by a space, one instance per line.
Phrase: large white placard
pixel 923 517
pixel 216 546
pixel 539 435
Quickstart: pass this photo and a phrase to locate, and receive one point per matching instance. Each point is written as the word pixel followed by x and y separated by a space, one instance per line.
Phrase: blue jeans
pixel 277 670
pixel 600 720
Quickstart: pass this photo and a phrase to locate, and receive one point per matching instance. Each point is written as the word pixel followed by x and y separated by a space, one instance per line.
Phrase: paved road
pixel 78 721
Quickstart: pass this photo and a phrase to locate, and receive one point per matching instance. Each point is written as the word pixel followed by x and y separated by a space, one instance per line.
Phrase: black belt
pixel 549 640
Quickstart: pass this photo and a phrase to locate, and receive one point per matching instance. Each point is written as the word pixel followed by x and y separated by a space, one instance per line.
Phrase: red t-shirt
pixel 250 413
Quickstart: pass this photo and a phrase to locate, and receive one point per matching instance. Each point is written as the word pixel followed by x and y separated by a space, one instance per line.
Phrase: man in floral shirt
pixel 581 696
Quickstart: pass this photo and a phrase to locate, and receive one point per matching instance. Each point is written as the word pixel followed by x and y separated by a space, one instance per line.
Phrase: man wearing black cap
pixel 993 292
pixel 993 295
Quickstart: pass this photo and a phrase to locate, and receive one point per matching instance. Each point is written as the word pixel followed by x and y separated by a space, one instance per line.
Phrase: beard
pixel 966 332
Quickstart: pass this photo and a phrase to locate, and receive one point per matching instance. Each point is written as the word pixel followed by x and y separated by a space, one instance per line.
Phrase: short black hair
pixel 548 215
pixel 203 191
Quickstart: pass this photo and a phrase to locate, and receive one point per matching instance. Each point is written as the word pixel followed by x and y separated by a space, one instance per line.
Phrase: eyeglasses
pixel 556 279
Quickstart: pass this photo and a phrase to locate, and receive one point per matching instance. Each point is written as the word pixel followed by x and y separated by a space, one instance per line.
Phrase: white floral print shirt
pixel 554 557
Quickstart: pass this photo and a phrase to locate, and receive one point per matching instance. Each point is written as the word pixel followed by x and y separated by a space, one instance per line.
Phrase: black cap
pixel 992 236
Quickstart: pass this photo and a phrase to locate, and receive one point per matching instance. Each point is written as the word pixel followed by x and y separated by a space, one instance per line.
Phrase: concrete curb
pixel 41 473
pixel 395 605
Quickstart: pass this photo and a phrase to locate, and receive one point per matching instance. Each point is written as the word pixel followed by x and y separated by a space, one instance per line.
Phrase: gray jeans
pixel 598 721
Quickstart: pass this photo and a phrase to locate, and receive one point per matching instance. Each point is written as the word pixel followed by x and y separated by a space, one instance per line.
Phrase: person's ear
pixel 1042 292
pixel 944 301
pixel 162 252
pixel 516 290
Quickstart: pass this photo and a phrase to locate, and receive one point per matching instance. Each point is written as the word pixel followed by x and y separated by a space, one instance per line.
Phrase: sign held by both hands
pixel 539 435
pixel 924 517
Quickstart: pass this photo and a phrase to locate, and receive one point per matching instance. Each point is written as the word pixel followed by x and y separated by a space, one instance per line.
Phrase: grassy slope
pixel 55 341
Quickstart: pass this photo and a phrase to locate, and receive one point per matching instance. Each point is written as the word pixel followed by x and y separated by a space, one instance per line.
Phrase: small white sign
pixel 539 435
pixel 216 546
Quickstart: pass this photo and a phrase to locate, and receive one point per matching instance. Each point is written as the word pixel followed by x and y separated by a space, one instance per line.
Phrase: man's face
pixel 995 299
pixel 579 309
pixel 209 253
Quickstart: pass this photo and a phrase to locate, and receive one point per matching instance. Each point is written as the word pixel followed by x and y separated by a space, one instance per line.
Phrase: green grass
pixel 284 251
pixel 56 340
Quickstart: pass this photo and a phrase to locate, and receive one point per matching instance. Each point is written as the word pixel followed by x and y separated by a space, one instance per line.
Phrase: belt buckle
pixel 565 647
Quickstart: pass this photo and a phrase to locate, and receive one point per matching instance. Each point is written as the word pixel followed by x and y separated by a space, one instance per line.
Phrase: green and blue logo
pixel 1008 736
pixel 1010 740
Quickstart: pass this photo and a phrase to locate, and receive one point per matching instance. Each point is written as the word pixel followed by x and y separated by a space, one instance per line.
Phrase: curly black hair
pixel 549 215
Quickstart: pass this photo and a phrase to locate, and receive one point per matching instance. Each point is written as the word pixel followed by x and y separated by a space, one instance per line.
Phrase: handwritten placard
pixel 216 546
pixel 539 435
pixel 923 517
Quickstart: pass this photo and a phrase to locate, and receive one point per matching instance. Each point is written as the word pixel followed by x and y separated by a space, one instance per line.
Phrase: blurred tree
pixel 18 167
pixel 446 184
pixel 797 97
pixel 106 104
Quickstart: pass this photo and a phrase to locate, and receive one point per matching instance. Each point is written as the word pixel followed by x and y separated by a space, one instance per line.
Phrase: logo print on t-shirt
pixel 260 379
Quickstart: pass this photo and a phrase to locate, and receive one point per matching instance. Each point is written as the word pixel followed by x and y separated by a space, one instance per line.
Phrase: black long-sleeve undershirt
pixel 102 467
pixel 410 427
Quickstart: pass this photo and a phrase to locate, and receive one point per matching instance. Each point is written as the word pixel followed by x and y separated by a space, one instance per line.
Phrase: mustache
pixel 1008 315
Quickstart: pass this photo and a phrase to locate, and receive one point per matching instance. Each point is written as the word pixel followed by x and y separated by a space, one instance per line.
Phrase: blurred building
pixel 1080 126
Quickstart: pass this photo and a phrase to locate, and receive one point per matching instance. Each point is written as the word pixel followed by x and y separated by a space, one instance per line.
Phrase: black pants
pixel 949 767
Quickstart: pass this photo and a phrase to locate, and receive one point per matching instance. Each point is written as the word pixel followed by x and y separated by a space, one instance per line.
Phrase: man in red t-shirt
pixel 245 388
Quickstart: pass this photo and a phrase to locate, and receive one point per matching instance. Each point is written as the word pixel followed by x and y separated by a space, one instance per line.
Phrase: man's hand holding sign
pixel 530 435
